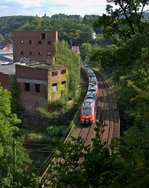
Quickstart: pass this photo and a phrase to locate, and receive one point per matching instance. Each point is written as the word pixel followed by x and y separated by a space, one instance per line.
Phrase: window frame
pixel 27 87
pixel 54 86
pixel 37 88
pixel 54 73
pixel 63 71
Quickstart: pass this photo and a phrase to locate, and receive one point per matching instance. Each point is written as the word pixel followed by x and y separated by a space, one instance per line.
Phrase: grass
pixel 30 136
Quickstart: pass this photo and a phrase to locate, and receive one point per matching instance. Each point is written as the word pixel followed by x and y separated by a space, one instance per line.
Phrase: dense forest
pixel 73 28
pixel 125 63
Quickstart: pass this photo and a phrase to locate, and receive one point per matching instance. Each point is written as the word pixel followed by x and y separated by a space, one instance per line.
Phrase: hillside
pixel 73 28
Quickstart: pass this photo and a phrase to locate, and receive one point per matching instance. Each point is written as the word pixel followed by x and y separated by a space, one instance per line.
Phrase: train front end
pixel 87 115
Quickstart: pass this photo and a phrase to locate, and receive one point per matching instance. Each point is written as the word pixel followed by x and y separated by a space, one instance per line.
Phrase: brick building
pixel 34 45
pixel 7 75
pixel 6 80
pixel 38 84
pixel 39 79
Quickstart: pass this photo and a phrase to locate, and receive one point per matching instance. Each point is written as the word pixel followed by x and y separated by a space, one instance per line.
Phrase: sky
pixel 51 7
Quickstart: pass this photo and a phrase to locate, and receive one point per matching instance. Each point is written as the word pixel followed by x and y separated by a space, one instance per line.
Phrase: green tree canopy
pixel 123 20
pixel 123 164
pixel 13 158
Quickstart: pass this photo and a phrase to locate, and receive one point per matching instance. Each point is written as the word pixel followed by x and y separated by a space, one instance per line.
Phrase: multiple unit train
pixel 88 108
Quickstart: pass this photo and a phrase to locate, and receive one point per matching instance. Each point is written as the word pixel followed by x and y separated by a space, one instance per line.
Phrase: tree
pixel 124 163
pixel 125 20
pixel 85 51
pixel 126 65
pixel 13 158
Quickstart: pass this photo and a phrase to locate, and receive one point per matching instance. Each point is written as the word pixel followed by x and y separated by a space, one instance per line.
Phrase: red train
pixel 88 108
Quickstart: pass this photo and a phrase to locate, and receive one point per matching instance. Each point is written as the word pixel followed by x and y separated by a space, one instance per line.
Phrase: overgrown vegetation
pixel 67 57
pixel 74 29
pixel 126 63
pixel 14 160
pixel 124 163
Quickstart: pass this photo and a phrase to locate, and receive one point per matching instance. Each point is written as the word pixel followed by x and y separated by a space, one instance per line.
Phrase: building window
pixel 37 87
pixel 63 84
pixel 63 71
pixel 54 87
pixel 39 42
pixel 54 73
pixel 43 36
pixel 22 53
pixel 30 53
pixel 49 53
pixel 21 42
pixel 39 53
pixel 30 42
pixel 27 86
pixel 49 42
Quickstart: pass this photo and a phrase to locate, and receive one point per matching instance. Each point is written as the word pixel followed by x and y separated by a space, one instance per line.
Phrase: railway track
pixel 105 113
pixel 110 116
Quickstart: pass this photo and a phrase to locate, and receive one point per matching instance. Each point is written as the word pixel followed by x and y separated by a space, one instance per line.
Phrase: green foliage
pixel 130 75
pixel 9 24
pixel 126 65
pixel 1 37
pixel 124 20
pixel 15 107
pixel 122 164
pixel 71 60
pixel 72 28
pixel 13 157
pixel 56 132
pixel 85 51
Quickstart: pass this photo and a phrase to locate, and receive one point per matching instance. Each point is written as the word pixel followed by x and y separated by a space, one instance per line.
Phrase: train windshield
pixel 86 110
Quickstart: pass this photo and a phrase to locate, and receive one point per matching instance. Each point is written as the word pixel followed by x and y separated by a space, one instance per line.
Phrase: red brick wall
pixel 35 47
pixel 55 79
pixel 32 99
pixel 6 80
pixel 27 72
